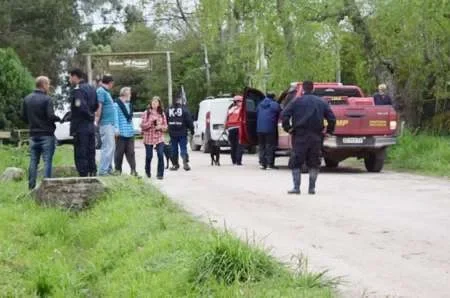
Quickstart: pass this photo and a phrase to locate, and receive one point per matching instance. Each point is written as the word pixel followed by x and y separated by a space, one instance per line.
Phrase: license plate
pixel 353 140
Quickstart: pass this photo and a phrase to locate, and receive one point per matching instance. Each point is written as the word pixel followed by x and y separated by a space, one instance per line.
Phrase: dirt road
pixel 386 234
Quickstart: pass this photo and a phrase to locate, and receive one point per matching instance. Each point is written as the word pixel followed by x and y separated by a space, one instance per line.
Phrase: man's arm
pixel 331 118
pixel 51 112
pixel 100 101
pixel 286 116
pixel 116 117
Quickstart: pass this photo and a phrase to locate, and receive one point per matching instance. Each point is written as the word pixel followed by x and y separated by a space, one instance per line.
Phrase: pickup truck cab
pixel 363 130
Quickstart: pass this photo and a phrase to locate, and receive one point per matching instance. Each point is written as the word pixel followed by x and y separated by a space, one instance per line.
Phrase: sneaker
pixel 160 177
pixel 263 167
pixel 148 175
pixel 272 168
pixel 312 191
pixel 174 168
pixel 186 166
pixel 294 192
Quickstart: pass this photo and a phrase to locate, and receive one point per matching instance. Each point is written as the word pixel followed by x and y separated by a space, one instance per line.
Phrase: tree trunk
pixel 288 31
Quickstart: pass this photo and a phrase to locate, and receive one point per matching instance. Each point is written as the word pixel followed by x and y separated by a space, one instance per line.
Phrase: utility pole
pixel 169 79
pixel 89 69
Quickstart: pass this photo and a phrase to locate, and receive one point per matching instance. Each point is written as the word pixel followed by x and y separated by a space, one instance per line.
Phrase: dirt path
pixel 386 234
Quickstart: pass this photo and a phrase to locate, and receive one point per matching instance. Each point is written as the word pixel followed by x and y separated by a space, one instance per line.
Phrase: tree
pixel 15 83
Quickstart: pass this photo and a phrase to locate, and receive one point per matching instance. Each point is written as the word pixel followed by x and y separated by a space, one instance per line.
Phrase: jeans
pixel 267 144
pixel 107 134
pixel 236 148
pixel 149 156
pixel 44 146
pixel 125 146
pixel 179 141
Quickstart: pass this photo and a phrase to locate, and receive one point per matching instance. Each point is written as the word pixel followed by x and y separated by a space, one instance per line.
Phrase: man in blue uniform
pixel 83 106
pixel 179 120
pixel 307 113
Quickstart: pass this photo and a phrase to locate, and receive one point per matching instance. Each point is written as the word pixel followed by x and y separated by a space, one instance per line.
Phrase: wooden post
pixel 89 68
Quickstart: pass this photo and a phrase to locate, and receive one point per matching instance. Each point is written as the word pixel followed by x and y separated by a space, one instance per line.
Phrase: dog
pixel 214 152
pixel 168 155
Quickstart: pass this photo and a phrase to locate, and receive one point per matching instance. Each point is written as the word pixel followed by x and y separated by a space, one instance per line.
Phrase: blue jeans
pixel 44 146
pixel 107 134
pixel 149 156
pixel 181 142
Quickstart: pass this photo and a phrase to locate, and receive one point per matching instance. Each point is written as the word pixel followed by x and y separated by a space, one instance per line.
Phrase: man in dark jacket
pixel 381 98
pixel 180 121
pixel 38 112
pixel 268 112
pixel 83 107
pixel 307 113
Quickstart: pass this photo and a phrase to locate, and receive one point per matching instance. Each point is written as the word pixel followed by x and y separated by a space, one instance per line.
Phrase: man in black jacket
pixel 307 113
pixel 37 111
pixel 179 120
pixel 83 107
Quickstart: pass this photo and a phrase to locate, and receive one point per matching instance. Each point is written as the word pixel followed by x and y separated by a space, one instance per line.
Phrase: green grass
pixel 133 243
pixel 421 153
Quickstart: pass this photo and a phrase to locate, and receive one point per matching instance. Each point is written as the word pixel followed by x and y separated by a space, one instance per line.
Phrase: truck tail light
pixel 392 125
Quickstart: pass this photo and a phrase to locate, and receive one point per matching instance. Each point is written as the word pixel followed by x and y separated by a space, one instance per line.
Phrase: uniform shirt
pixel 108 115
pixel 180 121
pixel 308 113
pixel 126 128
pixel 234 116
pixel 151 135
pixel 83 105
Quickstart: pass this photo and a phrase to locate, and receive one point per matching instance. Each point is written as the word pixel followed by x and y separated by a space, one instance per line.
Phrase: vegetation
pixel 421 152
pixel 15 83
pixel 133 243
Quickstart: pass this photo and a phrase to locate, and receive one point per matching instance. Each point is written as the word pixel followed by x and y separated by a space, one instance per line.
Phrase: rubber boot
pixel 186 166
pixel 313 173
pixel 175 165
pixel 296 179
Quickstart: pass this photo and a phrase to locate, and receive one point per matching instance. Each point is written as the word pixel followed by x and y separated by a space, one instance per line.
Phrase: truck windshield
pixel 337 92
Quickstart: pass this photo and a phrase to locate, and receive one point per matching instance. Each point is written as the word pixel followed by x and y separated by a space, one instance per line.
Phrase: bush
pixel 440 124
pixel 15 83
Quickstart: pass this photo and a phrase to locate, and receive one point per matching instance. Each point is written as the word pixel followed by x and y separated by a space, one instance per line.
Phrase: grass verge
pixel 133 243
pixel 421 153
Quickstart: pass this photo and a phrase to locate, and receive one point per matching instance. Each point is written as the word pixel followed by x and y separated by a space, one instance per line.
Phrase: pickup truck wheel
pixel 329 163
pixel 374 162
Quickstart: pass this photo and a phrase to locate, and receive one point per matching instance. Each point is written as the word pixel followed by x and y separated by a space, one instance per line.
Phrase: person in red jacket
pixel 232 126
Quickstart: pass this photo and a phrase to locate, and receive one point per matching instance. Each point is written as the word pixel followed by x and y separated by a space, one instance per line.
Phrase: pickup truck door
pixel 247 130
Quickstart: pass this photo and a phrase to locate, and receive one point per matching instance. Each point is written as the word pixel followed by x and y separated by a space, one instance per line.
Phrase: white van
pixel 210 124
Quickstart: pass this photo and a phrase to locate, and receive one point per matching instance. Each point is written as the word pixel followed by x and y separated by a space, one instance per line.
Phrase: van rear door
pixel 247 131
pixel 219 111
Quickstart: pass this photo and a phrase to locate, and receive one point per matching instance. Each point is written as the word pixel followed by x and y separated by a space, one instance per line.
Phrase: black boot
pixel 313 173
pixel 296 179
pixel 186 166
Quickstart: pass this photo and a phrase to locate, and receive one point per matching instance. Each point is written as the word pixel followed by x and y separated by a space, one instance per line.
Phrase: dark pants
pixel 181 142
pixel 236 148
pixel 149 156
pixel 267 144
pixel 84 151
pixel 44 146
pixel 306 148
pixel 125 146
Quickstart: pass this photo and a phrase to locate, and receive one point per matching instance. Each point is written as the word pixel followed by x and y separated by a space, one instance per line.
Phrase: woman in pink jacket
pixel 153 126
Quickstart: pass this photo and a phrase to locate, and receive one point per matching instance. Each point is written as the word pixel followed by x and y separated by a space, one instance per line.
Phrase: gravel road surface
pixel 386 234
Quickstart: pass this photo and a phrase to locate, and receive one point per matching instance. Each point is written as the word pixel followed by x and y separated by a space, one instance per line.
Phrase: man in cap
pixel 83 104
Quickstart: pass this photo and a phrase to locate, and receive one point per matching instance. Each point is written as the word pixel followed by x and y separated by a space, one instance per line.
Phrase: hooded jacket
pixel 268 112
pixel 179 120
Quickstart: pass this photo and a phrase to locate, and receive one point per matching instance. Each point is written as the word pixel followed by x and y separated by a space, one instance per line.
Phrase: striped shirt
pixel 153 135
pixel 126 128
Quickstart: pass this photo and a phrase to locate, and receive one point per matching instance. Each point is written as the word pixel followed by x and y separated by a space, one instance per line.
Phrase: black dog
pixel 168 154
pixel 215 152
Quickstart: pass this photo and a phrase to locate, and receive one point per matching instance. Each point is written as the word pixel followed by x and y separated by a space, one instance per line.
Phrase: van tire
pixel 331 164
pixel 374 162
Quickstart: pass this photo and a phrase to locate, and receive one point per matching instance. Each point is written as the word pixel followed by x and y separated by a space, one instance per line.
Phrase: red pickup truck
pixel 363 130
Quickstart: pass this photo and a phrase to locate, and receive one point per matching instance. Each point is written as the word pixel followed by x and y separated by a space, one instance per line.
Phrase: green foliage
pixel 440 124
pixel 421 152
pixel 133 242
pixel 15 83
